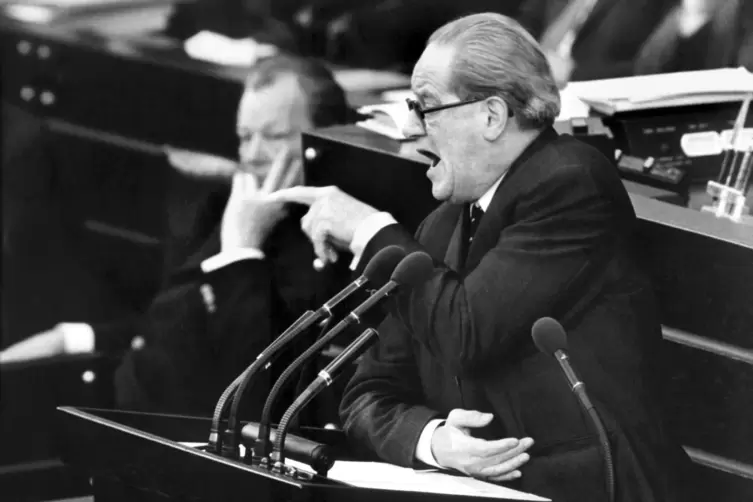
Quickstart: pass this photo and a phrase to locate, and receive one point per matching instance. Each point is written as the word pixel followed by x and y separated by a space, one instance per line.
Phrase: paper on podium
pixel 383 476
pixel 571 106
pixel 664 90
pixel 391 477
pixel 387 119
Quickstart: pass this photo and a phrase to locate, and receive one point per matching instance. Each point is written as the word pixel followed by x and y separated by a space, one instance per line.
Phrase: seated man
pixel 241 287
pixel 533 225
pixel 700 35
pixel 603 45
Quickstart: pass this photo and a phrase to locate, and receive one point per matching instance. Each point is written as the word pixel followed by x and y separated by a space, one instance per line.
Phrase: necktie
pixel 473 215
pixel 475 218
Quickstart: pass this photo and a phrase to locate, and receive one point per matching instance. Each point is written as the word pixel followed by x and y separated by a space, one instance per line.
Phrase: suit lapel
pixel 442 235
pixel 455 257
pixel 495 217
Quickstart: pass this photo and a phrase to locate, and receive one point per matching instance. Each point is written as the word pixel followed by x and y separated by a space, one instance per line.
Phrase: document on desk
pixel 384 476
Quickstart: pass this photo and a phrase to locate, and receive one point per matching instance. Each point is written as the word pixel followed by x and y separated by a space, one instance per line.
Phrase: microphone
pixel 333 370
pixel 325 378
pixel 383 263
pixel 315 454
pixel 550 338
pixel 413 270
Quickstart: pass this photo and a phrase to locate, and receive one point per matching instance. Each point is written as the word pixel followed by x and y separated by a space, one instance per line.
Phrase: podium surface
pixel 141 455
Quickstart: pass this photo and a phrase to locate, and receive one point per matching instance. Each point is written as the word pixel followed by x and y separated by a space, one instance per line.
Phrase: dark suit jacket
pixel 555 241
pixel 202 330
pixel 608 42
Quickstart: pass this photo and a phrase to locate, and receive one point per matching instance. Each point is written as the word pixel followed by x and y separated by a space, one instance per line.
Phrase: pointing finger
pixel 300 194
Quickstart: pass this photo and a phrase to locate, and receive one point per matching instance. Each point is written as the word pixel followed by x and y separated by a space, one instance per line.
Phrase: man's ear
pixel 496 117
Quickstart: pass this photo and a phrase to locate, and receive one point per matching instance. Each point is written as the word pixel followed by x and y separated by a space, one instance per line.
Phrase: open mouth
pixel 433 157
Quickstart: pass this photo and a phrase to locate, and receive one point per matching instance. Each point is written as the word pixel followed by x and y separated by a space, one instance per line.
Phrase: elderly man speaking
pixel 533 224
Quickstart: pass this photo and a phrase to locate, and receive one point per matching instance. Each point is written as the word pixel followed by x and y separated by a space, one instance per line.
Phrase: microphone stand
pixel 325 378
pixel 384 261
pixel 229 447
pixel 579 389
pixel 261 450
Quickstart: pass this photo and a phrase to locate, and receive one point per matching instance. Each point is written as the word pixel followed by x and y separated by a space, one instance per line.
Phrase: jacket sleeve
pixel 229 310
pixel 382 406
pixel 470 322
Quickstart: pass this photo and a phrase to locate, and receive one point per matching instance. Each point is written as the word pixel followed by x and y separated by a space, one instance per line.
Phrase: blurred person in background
pixel 247 281
pixel 591 39
pixel 392 34
pixel 700 35
pixel 262 20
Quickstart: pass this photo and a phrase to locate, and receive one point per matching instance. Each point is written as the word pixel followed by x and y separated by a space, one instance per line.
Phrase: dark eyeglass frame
pixel 415 107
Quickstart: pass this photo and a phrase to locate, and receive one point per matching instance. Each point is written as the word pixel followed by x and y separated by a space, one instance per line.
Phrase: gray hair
pixel 496 56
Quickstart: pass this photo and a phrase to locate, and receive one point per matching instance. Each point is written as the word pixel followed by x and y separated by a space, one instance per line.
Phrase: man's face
pixel 270 120
pixel 452 136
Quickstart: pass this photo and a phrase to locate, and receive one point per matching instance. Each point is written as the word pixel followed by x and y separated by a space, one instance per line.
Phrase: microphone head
pixel 381 266
pixel 549 336
pixel 413 269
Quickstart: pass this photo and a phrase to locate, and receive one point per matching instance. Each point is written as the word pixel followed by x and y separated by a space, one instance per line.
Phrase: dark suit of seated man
pixel 241 287
pixel 456 380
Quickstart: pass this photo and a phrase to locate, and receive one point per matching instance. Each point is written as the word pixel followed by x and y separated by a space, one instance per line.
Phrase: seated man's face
pixel 270 120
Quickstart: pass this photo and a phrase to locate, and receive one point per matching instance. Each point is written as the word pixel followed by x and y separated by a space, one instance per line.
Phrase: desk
pixel 30 467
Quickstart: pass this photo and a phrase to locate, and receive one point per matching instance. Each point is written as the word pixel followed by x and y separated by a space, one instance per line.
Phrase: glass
pixel 421 112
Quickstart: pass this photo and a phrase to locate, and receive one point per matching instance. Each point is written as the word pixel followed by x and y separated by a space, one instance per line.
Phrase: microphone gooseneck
pixel 376 271
pixel 325 378
pixel 411 271
pixel 550 338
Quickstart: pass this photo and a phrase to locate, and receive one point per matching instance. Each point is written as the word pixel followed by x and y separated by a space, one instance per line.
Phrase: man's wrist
pixel 424 452
pixel 229 256
pixel 366 230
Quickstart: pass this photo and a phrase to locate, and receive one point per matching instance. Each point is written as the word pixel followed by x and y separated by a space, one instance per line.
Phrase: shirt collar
pixel 486 199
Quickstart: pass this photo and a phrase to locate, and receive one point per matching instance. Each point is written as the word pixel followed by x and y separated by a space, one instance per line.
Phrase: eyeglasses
pixel 415 106
pixel 421 112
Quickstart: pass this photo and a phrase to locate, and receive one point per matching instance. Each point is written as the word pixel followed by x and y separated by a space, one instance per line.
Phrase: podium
pixel 139 456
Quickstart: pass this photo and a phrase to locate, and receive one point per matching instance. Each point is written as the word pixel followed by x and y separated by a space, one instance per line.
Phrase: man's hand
pixel 46 344
pixel 252 212
pixel 453 447
pixel 332 219
pixel 199 164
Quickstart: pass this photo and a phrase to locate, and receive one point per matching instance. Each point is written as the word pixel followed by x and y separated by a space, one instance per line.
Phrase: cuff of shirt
pixel 365 231
pixel 225 258
pixel 423 448
pixel 78 338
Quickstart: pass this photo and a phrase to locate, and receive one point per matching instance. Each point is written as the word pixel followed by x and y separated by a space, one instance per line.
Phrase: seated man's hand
pixel 332 219
pixel 252 211
pixel 453 447
pixel 42 345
